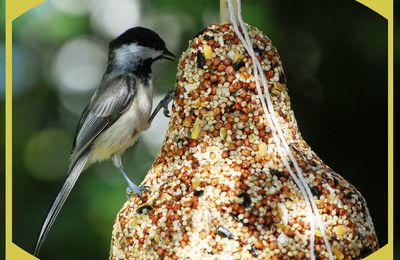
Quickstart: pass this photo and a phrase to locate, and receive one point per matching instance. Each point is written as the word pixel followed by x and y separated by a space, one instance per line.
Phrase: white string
pixel 286 147
pixel 267 115
pixel 274 125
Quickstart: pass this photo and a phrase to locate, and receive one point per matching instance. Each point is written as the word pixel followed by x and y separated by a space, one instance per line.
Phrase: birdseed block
pixel 218 189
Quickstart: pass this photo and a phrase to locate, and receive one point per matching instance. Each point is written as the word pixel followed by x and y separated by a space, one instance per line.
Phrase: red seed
pixel 221 67
pixel 229 70
pixel 270 74
pixel 213 78
pixel 244 118
pixel 230 78
pixel 227 62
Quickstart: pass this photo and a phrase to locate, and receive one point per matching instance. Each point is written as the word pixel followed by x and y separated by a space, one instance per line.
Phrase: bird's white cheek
pixel 129 55
pixel 156 54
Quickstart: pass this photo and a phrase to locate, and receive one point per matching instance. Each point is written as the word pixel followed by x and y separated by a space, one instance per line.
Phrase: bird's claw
pixel 145 188
pixel 166 100
pixel 135 190
pixel 166 112
pixel 163 105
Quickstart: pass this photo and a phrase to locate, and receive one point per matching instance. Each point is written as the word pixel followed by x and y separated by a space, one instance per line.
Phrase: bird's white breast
pixel 127 128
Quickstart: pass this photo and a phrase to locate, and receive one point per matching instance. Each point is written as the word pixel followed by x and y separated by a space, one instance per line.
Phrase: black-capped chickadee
pixel 117 113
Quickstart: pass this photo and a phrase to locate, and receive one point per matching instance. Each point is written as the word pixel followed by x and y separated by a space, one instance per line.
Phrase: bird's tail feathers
pixel 73 175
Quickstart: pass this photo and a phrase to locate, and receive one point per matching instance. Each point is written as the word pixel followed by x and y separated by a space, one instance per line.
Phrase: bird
pixel 118 111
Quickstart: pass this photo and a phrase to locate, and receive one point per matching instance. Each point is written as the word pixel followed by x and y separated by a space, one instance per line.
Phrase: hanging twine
pixel 282 146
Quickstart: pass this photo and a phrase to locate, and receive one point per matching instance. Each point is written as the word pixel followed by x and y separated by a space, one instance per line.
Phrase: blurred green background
pixel 334 55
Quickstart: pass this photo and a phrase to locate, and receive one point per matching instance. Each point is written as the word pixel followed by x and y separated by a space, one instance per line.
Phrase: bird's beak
pixel 168 55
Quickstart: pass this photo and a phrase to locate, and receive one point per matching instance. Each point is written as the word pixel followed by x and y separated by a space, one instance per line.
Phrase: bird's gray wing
pixel 106 106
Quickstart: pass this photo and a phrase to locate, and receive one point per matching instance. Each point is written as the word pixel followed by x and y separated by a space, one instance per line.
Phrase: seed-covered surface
pixel 218 189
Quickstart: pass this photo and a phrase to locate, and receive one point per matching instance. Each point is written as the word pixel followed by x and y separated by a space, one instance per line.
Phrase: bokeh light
pixel 168 25
pixel 110 18
pixel 73 103
pixel 79 65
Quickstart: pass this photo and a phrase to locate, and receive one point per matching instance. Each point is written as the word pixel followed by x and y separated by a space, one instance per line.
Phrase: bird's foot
pixel 166 100
pixel 133 189
pixel 163 105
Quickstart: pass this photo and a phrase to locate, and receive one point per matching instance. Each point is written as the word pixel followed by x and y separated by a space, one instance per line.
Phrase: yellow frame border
pixel 16 8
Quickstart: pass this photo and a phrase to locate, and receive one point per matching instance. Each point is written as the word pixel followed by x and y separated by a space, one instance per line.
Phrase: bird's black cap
pixel 142 36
